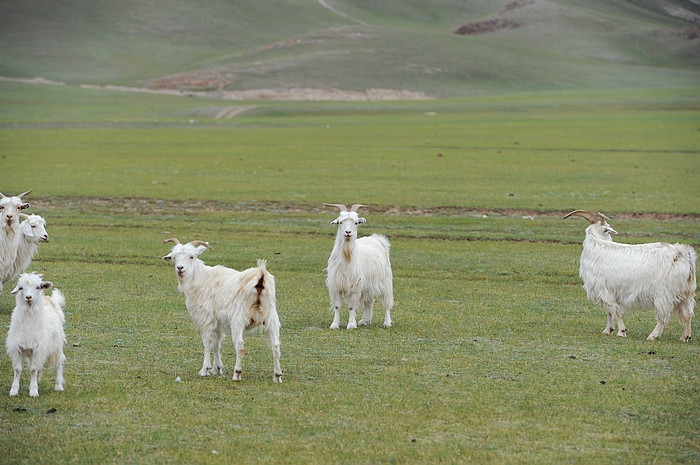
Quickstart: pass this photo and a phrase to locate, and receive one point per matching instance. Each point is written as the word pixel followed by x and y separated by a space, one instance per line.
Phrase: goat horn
pixel 25 193
pixel 23 215
pixel 172 239
pixel 340 206
pixel 356 207
pixel 603 217
pixel 205 244
pixel 590 216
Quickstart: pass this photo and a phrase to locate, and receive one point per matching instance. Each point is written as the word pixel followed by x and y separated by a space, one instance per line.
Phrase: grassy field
pixel 495 355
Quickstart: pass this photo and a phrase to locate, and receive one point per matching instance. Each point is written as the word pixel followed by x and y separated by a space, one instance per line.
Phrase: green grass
pixel 496 356
pixel 614 152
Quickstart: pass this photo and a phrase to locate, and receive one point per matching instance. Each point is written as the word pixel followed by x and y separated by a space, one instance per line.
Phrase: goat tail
pixel 383 240
pixel 263 282
pixel 58 298
pixel 260 300
pixel 57 301
pixel 692 257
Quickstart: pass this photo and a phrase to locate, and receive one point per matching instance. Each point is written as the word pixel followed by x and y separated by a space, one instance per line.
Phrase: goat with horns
pixel 359 270
pixel 622 276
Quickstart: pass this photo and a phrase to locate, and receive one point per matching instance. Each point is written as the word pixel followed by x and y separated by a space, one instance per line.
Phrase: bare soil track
pixel 147 206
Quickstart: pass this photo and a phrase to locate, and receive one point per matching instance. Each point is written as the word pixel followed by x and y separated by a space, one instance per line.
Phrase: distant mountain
pixel 437 48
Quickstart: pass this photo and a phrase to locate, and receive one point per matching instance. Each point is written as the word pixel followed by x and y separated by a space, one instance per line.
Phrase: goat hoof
pixel 352 326
pixel 335 326
pixel 363 323
pixel 278 378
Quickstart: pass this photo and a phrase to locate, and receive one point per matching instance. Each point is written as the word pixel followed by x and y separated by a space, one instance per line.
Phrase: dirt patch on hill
pixel 486 26
pixel 217 85
pixel 181 85
pixel 496 24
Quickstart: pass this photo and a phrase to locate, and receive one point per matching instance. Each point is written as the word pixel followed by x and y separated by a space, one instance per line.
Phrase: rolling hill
pixel 440 48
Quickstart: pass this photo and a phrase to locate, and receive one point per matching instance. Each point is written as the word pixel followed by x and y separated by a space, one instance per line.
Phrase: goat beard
pixel 347 250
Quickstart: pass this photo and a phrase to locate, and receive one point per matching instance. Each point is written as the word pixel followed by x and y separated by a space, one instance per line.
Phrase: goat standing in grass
pixel 359 270
pixel 10 208
pixel 218 297
pixel 621 276
pixel 36 331
pixel 32 233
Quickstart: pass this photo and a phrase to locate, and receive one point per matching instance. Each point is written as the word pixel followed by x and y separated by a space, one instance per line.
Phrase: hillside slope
pixel 441 48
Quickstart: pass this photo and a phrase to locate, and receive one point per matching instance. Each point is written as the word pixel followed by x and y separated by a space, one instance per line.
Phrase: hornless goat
pixel 359 270
pixel 32 233
pixel 218 297
pixel 36 331
pixel 622 276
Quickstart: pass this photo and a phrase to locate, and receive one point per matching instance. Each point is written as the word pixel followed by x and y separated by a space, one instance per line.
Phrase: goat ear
pixel 335 222
pixel 24 206
pixel 608 229
pixel 167 258
pixel 26 228
pixel 15 290
pixel 46 285
pixel 361 220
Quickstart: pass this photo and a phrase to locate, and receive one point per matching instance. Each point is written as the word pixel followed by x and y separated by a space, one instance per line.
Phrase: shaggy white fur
pixel 10 208
pixel 218 297
pixel 36 331
pixel 32 232
pixel 359 270
pixel 623 276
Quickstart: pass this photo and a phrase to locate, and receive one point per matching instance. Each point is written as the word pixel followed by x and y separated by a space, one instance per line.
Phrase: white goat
pixel 359 270
pixel 32 233
pixel 622 276
pixel 10 208
pixel 218 297
pixel 36 331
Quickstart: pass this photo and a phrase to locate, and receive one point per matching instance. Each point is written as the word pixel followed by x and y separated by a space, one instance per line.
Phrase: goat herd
pixel 616 276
